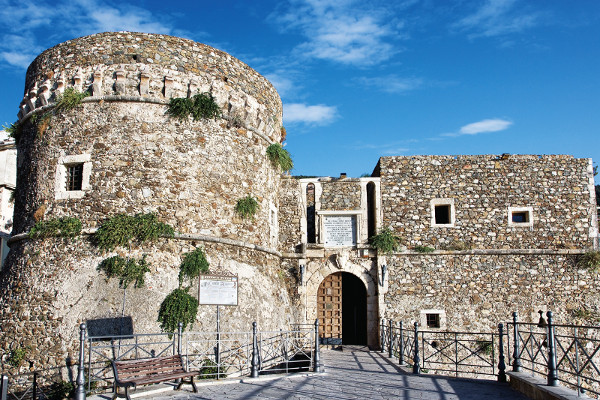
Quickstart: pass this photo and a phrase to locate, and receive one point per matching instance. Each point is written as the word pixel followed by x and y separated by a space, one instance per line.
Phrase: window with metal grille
pixel 433 320
pixel 74 176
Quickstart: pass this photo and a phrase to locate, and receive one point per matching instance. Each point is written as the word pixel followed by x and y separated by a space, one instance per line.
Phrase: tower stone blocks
pixel 136 159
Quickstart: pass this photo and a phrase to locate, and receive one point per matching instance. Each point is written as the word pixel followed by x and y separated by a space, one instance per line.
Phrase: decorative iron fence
pixel 465 354
pixel 52 383
pixel 562 353
pixel 215 355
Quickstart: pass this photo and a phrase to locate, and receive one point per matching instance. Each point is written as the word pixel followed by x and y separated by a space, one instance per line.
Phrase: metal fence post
pixel 4 387
pixel 318 367
pixel 382 335
pixel 179 333
pixel 80 391
pixel 34 390
pixel 401 345
pixel 517 344
pixel 254 361
pixel 501 363
pixel 416 358
pixel 391 339
pixel 552 373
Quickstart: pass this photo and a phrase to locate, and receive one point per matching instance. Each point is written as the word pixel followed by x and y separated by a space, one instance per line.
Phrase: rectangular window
pixel 442 214
pixel 74 177
pixel 520 216
pixel 433 320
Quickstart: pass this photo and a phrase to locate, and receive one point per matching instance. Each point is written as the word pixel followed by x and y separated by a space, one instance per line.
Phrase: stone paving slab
pixel 354 373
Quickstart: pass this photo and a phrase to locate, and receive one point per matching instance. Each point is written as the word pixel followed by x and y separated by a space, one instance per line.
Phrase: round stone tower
pixel 119 152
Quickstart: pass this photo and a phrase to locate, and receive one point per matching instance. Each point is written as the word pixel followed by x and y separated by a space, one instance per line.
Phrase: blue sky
pixel 364 79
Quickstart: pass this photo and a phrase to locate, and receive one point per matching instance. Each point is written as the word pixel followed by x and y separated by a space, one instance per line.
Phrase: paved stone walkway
pixel 354 373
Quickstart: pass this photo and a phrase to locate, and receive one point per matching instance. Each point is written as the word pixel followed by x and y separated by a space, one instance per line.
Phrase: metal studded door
pixel 329 309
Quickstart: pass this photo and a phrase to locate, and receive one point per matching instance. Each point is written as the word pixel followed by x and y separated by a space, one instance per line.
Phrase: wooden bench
pixel 150 370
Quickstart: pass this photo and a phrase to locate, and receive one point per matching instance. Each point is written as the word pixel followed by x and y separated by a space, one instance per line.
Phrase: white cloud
pixel 23 24
pixel 392 83
pixel 498 17
pixel 345 31
pixel 486 125
pixel 312 115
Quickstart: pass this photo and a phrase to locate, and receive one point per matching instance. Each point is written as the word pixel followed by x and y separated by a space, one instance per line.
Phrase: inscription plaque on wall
pixel 218 290
pixel 339 230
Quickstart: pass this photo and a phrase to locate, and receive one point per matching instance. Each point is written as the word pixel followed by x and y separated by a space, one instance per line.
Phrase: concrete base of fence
pixel 536 388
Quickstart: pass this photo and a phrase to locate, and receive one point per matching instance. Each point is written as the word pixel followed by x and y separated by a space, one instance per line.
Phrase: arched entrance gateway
pixel 342 309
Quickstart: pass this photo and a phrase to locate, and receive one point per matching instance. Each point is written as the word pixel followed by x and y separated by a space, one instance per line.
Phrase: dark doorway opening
pixel 354 310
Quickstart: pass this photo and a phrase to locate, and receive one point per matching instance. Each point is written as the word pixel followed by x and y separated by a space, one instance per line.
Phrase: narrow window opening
pixel 371 213
pixel 520 217
pixel 433 320
pixel 442 214
pixel 311 236
pixel 74 177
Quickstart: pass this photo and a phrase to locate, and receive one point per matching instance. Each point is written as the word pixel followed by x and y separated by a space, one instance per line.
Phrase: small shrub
pixel 283 134
pixel 280 157
pixel 587 315
pixel 200 106
pixel 14 130
pixel 485 346
pixel 457 245
pixel 70 99
pixel 424 249
pixel 385 241
pixel 247 207
pixel 127 270
pixel 16 357
pixel 44 123
pixel 209 370
pixel 56 227
pixel 61 390
pixel 121 229
pixel 192 265
pixel 590 260
pixel 178 306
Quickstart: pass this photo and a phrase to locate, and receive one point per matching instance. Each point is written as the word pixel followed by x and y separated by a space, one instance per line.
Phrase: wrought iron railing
pixel 562 353
pixel 50 383
pixel 465 354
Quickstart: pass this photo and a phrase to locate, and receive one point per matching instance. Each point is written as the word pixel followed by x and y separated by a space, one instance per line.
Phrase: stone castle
pixel 506 230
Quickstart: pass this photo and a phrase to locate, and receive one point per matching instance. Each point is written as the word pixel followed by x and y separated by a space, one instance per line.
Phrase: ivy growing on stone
pixel 280 157
pixel 200 106
pixel 247 207
pixel 385 241
pixel 121 229
pixel 178 306
pixel 56 227
pixel 127 270
pixel 192 265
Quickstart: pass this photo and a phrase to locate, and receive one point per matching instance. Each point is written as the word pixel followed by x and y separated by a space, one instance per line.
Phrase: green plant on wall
pixel 127 270
pixel 69 99
pixel 14 130
pixel 424 249
pixel 590 260
pixel 16 357
pixel 200 106
pixel 485 346
pixel 247 207
pixel 122 229
pixel 385 241
pixel 280 157
pixel 56 227
pixel 193 264
pixel 178 306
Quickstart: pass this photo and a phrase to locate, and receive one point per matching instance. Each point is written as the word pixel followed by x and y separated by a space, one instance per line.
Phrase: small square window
pixel 520 216
pixel 74 176
pixel 433 320
pixel 442 214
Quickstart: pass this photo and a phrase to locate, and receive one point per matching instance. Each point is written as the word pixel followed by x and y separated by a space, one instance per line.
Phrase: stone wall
pixel 341 195
pixel 556 188
pixel 51 286
pixel 476 291
pixel 290 214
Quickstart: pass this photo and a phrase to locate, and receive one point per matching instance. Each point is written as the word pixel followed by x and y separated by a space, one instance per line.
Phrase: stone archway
pixel 357 276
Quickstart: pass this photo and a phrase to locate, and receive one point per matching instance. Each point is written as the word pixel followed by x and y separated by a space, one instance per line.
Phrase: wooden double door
pixel 342 309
